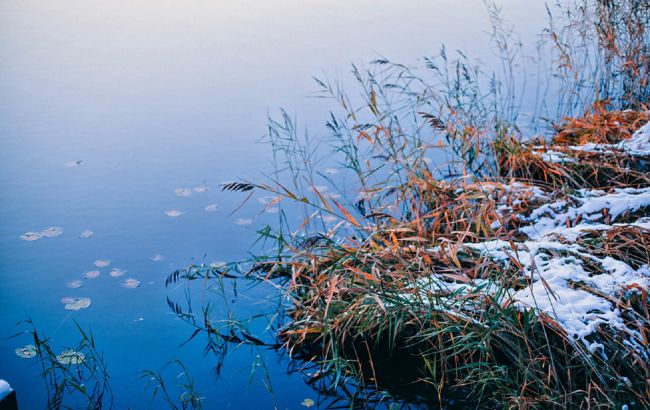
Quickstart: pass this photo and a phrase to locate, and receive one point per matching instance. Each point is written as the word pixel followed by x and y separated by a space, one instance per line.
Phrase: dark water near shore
pixel 155 96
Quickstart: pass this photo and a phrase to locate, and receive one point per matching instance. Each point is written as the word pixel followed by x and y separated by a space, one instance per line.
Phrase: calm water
pixel 155 96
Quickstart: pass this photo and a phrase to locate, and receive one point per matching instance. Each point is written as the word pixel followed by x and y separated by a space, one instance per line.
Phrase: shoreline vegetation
pixel 452 251
pixel 513 274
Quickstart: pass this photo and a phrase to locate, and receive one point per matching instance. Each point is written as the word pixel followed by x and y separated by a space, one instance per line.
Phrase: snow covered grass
pixel 528 288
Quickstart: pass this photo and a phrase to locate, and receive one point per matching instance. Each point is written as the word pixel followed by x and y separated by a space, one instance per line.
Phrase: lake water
pixel 158 95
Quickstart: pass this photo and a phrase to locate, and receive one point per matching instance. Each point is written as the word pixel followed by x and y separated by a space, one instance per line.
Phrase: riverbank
pixel 527 288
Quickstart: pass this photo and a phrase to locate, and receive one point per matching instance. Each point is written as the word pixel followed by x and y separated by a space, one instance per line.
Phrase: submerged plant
pixel 75 377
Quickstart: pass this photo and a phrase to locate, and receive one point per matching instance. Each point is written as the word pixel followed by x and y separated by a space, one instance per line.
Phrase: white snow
pixel 5 389
pixel 639 144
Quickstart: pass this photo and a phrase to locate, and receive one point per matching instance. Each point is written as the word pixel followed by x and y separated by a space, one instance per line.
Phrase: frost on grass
pixel 544 259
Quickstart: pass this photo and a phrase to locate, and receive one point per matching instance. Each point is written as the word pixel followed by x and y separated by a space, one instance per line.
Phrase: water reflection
pixel 108 107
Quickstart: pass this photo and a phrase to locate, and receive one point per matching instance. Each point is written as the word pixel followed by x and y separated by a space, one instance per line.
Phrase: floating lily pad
pixel 243 221
pixel 74 284
pixel 76 303
pixel 130 283
pixel 102 263
pixel 212 208
pixel 75 163
pixel 201 189
pixel 91 274
pixel 117 272
pixel 52 232
pixel 174 213
pixel 183 192
pixel 307 403
pixel 31 236
pixel 86 234
pixel 68 357
pixel 157 258
pixel 26 352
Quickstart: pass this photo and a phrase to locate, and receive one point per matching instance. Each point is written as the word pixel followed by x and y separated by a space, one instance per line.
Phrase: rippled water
pixel 118 121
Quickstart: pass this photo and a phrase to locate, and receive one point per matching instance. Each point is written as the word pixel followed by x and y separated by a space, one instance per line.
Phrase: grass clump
pixel 468 265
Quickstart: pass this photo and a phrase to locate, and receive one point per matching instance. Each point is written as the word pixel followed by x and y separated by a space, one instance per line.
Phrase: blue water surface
pixel 154 96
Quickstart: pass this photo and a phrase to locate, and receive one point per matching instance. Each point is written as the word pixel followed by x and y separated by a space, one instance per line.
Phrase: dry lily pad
pixel 157 258
pixel 212 208
pixel 307 403
pixel 183 192
pixel 86 234
pixel 70 356
pixel 102 263
pixel 31 236
pixel 52 232
pixel 173 213
pixel 117 272
pixel 76 303
pixel 130 283
pixel 74 164
pixel 243 221
pixel 201 189
pixel 26 352
pixel 91 274
pixel 74 284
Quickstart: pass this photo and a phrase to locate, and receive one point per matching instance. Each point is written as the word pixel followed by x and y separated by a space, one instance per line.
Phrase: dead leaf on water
pixel 173 213
pixel 26 352
pixel 102 263
pixel 183 192
pixel 130 283
pixel 68 357
pixel 212 208
pixel 307 403
pixel 74 284
pixel 74 163
pixel 76 303
pixel 31 236
pixel 52 232
pixel 117 272
pixel 86 234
